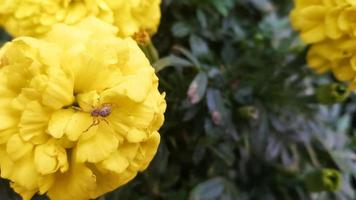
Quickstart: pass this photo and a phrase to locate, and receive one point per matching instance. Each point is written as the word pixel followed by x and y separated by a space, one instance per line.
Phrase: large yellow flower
pixel 318 20
pixel 339 56
pixel 35 17
pixel 79 112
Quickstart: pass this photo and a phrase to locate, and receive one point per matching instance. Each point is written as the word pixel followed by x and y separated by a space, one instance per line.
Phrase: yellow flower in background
pixel 339 56
pixel 35 17
pixel 330 27
pixel 80 111
pixel 132 16
pixel 318 20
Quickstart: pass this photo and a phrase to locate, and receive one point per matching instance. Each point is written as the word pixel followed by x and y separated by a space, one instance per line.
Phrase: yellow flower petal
pixel 344 72
pixel 9 117
pixel 45 183
pixel 92 74
pixel 58 122
pixel 131 115
pixel 22 171
pixel 331 25
pixel 110 181
pixel 17 148
pixel 66 36
pixel 6 134
pixel 76 184
pixel 97 144
pixel 321 20
pixel 314 35
pixel 26 96
pixel 136 136
pixel 25 193
pixel 77 125
pixel 49 158
pixel 135 87
pixel 34 122
pixel 131 16
pixel 88 101
pixel 59 91
pixel 150 147
pixel 157 103
pixel 116 163
pixel 129 150
pixel 76 12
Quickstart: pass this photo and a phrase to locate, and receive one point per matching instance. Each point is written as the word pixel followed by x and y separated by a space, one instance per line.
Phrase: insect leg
pixel 105 121
pixel 108 104
pixel 96 121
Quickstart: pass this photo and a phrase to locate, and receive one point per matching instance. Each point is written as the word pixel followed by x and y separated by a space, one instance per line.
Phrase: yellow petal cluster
pixel 50 140
pixel 330 27
pixel 318 20
pixel 132 16
pixel 339 56
pixel 35 17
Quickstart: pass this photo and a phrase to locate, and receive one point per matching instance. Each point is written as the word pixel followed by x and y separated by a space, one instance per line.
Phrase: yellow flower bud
pixel 323 180
pixel 331 93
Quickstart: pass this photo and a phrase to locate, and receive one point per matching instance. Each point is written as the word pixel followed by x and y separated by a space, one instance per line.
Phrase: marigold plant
pixel 35 18
pixel 80 111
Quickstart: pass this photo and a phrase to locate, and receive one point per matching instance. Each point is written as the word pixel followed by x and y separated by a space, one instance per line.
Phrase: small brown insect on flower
pixel 99 114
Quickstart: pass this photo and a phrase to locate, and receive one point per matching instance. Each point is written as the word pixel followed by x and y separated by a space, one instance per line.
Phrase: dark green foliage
pixel 242 121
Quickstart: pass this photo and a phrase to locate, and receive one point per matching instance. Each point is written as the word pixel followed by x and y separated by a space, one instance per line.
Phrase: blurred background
pixel 246 118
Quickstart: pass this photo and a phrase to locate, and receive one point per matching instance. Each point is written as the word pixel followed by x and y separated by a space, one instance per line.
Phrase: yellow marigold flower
pixel 79 112
pixel 318 20
pixel 339 56
pixel 35 17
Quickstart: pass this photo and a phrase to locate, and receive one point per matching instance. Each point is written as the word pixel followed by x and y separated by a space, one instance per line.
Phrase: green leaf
pixel 197 88
pixel 180 29
pixel 223 6
pixel 263 5
pixel 216 107
pixel 202 18
pixel 171 60
pixel 189 55
pixel 199 46
pixel 208 190
pixel 225 152
pixel 345 160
